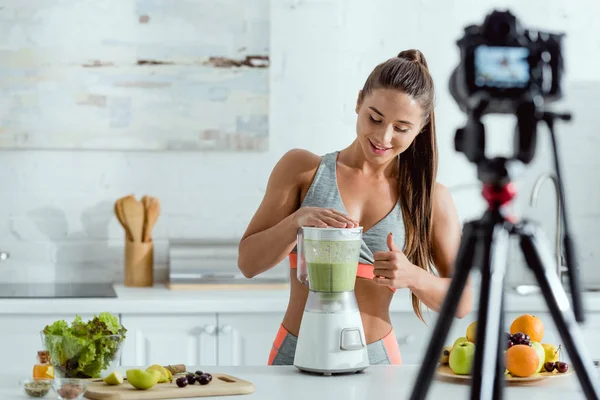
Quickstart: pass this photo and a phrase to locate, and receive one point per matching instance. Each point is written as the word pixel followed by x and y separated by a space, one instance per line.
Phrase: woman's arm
pixel 431 289
pixel 271 234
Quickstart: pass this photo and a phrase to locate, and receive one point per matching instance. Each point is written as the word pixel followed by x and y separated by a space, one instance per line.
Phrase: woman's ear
pixel 358 101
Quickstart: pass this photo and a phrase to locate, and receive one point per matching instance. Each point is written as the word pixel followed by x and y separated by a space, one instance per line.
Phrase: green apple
pixel 140 379
pixel 537 346
pixel 461 358
pixel 460 340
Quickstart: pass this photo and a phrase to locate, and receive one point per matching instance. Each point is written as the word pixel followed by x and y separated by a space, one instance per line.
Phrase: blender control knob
pixel 351 339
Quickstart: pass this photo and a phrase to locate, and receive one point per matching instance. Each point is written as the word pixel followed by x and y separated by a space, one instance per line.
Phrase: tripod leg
pixel 539 258
pixel 463 265
pixel 488 368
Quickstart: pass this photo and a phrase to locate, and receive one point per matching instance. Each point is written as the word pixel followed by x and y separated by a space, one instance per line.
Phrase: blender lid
pixel 330 228
pixel 329 233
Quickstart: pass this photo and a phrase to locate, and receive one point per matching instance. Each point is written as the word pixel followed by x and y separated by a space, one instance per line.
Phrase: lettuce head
pixel 84 349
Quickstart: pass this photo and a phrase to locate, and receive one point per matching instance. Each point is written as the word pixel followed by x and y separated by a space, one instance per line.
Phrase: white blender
pixel 331 338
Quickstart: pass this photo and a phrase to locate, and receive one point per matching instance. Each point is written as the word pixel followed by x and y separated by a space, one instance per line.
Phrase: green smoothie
pixel 332 264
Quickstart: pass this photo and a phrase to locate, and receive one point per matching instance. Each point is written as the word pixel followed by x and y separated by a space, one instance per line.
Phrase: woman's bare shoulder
pixel 298 164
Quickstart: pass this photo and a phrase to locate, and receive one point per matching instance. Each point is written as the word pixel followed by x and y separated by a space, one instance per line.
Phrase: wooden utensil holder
pixel 139 264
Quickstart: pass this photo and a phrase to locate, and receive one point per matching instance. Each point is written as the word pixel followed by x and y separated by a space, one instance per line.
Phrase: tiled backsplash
pixel 56 207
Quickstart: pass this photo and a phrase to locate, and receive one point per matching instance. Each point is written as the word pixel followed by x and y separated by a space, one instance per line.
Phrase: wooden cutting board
pixel 221 385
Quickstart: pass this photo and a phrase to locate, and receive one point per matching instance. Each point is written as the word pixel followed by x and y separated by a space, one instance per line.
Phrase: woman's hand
pixel 392 268
pixel 322 218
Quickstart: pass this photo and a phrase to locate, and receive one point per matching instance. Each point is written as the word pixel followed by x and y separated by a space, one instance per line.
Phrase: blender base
pixel 331 343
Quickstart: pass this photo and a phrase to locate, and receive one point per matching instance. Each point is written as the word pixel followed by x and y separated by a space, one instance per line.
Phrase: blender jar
pixel 328 258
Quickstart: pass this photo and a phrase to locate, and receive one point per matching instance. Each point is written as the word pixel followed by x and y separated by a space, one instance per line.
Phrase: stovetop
pixel 56 290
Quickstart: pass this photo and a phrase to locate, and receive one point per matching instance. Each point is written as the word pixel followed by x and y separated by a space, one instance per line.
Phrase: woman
pixel 383 181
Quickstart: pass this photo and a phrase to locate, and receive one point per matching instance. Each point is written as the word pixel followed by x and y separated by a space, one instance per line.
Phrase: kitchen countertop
pixel 159 299
pixel 377 382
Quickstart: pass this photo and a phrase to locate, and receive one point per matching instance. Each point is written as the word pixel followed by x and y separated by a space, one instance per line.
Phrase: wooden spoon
pixel 152 211
pixel 121 218
pixel 133 211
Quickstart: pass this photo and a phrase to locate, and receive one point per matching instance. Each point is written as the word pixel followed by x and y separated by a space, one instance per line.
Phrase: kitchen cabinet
pixel 202 339
pixel 20 338
pixel 246 339
pixel 189 339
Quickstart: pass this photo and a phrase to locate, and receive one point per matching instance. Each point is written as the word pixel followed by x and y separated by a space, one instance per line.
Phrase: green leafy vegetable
pixel 84 349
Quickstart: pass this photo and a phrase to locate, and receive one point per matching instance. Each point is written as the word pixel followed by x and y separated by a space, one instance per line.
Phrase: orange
pixel 529 325
pixel 521 360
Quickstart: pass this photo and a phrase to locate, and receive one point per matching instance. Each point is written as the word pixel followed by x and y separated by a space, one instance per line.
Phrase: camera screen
pixel 501 67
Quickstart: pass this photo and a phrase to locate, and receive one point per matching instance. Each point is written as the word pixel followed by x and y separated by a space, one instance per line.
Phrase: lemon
pixel 551 352
pixel 116 378
pixel 472 332
pixel 165 374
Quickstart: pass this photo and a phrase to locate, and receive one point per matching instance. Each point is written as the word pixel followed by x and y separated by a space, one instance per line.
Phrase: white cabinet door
pixel 164 339
pixel 246 339
pixel 20 338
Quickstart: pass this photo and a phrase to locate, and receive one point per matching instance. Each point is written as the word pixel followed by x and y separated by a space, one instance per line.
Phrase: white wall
pixel 57 222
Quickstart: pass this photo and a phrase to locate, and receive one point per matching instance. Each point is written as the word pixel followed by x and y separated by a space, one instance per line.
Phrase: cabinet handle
pixel 408 339
pixel 210 329
pixel 225 329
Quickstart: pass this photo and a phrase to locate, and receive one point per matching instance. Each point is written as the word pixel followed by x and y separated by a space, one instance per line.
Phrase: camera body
pixel 503 65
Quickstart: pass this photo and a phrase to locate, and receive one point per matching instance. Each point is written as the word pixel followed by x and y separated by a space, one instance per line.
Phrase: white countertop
pixel 377 382
pixel 159 299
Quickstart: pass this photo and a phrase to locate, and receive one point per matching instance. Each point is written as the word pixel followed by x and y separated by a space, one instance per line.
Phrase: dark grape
pixel 203 380
pixel 191 378
pixel 526 343
pixel 209 376
pixel 562 366
pixel 508 336
pixel 518 338
pixel 510 344
pixel 527 338
pixel 198 372
pixel 549 366
pixel 182 382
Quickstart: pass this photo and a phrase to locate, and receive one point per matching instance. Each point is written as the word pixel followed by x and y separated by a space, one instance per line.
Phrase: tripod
pixel 491 234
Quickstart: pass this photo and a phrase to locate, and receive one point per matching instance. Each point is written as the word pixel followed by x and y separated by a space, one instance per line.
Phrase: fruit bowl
pixel 446 371
pixel 74 357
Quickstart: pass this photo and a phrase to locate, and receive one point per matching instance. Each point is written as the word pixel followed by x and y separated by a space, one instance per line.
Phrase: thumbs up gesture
pixel 392 268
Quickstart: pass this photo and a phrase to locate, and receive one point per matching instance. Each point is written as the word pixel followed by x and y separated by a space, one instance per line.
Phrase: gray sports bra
pixel 324 193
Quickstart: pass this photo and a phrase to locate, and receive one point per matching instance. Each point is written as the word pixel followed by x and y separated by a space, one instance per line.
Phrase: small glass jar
pixel 43 369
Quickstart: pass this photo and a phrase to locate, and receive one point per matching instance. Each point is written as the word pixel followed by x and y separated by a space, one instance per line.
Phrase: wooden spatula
pixel 133 211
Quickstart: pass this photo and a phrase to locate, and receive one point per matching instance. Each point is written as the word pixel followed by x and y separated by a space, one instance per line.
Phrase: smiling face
pixel 388 122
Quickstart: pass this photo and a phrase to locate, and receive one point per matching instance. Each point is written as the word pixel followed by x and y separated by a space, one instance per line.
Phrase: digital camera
pixel 503 65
